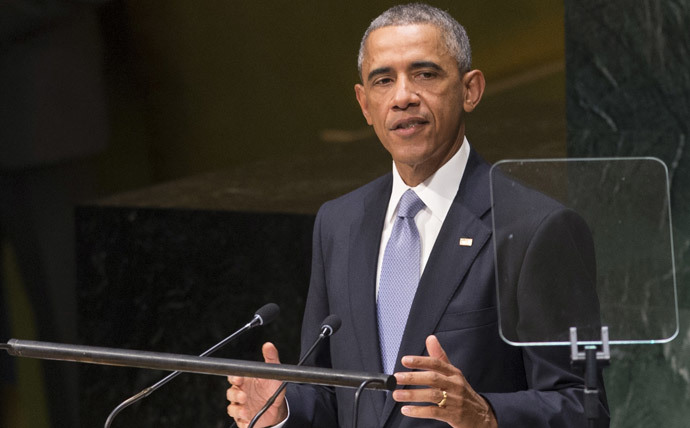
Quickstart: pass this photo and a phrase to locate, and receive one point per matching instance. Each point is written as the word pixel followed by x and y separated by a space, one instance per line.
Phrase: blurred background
pixel 194 87
pixel 137 93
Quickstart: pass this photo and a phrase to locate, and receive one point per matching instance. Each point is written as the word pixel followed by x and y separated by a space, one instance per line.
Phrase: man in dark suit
pixel 453 367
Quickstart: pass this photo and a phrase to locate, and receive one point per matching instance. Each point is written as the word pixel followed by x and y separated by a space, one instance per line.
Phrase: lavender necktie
pixel 399 278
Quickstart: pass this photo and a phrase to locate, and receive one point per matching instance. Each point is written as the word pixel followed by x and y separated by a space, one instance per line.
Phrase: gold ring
pixel 442 403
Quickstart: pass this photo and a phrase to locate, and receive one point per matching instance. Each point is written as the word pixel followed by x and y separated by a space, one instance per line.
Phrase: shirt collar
pixel 438 191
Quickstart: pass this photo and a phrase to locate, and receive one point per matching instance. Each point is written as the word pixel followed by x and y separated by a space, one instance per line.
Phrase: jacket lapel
pixel 365 239
pixel 449 261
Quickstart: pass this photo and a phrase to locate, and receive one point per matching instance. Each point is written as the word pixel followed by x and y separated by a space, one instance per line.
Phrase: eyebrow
pixel 415 66
pixel 378 71
pixel 426 64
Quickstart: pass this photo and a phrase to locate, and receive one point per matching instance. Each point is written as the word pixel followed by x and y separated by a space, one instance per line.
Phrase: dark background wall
pixel 209 85
pixel 265 90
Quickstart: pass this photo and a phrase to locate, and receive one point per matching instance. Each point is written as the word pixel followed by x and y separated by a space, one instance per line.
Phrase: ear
pixel 362 100
pixel 474 84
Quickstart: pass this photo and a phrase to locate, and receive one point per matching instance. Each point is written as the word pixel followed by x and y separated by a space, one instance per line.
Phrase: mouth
pixel 409 123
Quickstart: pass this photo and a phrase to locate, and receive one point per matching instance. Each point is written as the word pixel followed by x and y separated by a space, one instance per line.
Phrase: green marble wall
pixel 628 94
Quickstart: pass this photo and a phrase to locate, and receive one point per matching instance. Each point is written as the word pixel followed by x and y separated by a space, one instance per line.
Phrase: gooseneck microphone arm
pixel 329 326
pixel 262 316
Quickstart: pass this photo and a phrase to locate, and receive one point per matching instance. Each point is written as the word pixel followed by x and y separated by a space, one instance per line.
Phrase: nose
pixel 405 95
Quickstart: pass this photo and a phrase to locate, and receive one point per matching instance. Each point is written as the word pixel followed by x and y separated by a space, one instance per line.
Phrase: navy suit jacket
pixel 456 300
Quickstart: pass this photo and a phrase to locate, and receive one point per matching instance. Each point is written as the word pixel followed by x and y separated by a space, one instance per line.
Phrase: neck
pixel 413 175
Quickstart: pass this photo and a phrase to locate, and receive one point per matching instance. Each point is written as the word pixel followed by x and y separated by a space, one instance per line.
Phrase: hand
pixel 463 408
pixel 248 395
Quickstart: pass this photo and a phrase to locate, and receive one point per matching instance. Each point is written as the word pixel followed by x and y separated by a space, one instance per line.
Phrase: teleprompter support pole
pixel 592 360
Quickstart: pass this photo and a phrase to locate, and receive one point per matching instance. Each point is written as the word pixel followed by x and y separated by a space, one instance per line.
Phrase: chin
pixel 411 155
pixel 411 161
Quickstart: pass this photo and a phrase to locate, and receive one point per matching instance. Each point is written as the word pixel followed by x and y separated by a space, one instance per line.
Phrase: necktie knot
pixel 410 204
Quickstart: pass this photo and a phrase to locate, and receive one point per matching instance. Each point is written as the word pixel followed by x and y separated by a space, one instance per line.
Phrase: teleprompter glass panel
pixel 584 243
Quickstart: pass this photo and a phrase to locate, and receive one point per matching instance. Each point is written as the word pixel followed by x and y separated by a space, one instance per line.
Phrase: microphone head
pixel 267 313
pixel 330 325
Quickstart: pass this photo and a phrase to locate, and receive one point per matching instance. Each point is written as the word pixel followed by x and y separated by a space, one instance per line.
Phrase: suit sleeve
pixel 555 289
pixel 314 406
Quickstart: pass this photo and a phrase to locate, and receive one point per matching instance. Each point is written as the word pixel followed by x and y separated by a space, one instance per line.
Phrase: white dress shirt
pixel 437 192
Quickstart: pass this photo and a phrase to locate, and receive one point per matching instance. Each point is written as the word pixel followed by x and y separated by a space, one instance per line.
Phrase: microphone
pixel 329 326
pixel 262 316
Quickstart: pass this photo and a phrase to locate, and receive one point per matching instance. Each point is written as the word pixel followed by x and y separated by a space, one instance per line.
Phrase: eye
pixel 426 75
pixel 383 81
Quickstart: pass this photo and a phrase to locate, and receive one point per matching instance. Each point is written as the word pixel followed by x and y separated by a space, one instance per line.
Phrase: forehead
pixel 388 46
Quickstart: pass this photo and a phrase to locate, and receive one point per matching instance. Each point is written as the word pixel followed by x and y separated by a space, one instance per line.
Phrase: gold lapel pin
pixel 465 242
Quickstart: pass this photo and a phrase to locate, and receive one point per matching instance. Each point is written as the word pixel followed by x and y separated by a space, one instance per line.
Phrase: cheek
pixel 449 115
pixel 377 115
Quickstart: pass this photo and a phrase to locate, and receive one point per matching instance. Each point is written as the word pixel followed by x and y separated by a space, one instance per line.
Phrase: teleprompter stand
pixel 592 360
pixel 604 257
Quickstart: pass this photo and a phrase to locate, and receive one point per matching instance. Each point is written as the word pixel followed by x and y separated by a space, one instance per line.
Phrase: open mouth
pixel 409 123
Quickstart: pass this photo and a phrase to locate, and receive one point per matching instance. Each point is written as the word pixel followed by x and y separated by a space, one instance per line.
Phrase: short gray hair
pixel 453 34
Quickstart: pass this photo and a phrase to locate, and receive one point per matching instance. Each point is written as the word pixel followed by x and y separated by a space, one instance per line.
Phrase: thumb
pixel 435 350
pixel 270 353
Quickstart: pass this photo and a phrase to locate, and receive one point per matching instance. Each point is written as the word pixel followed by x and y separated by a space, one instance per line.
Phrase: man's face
pixel 412 94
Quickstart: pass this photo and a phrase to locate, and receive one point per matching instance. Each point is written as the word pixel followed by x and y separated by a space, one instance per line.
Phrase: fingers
pixel 425 412
pixel 428 364
pixel 433 347
pixel 462 406
pixel 437 360
pixel 270 353
pixel 236 380
pixel 236 395
pixel 238 413
pixel 433 396
pixel 428 378
pixel 247 395
pixel 427 395
pixel 237 409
